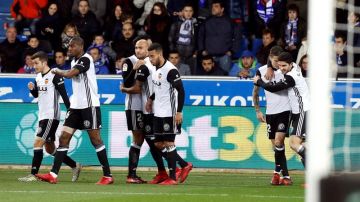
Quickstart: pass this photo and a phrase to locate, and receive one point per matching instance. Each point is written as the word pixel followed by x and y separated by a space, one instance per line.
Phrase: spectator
pixel 33 46
pixel 12 49
pixel 157 26
pixel 246 66
pixel 208 67
pixel 268 41
pixel 86 22
pixel 2 56
pixel 293 31
pixel 182 36
pixel 303 64
pixel 147 5
pixel 354 21
pixel 28 68
pixel 64 9
pixel 124 47
pixel 174 58
pixel 303 50
pixel 97 7
pixel 175 8
pixel 118 64
pixel 100 66
pixel 70 31
pixel 60 60
pixel 113 25
pixel 341 54
pixel 219 37
pixel 108 55
pixel 26 13
pixel 49 26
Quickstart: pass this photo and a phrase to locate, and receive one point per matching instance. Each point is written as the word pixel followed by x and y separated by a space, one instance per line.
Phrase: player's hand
pixel 31 86
pixel 55 70
pixel 178 118
pixel 260 116
pixel 122 88
pixel 148 105
pixel 138 64
pixel 256 78
pixel 269 74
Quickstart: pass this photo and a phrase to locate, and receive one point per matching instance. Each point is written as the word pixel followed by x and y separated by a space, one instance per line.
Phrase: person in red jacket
pixel 26 12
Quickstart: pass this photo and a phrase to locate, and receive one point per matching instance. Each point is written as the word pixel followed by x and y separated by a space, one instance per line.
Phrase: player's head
pixel 40 60
pixel 285 61
pixel 76 47
pixel 141 49
pixel 275 51
pixel 156 54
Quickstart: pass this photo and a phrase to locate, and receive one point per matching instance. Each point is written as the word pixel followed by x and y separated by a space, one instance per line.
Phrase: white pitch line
pixel 113 193
pixel 272 196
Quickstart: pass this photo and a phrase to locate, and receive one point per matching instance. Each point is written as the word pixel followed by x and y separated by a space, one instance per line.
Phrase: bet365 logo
pixel 25 133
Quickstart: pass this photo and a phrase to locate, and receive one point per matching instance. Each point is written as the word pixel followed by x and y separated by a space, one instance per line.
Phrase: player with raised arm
pixel 277 116
pixel 84 112
pixel 298 93
pixel 47 88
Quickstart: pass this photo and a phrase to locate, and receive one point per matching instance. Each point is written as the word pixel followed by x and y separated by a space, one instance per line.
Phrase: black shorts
pixel 278 123
pixel 135 119
pixel 299 124
pixel 148 125
pixel 83 119
pixel 47 129
pixel 165 128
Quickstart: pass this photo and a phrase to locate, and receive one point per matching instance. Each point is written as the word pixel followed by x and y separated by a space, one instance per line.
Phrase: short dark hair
pixel 83 0
pixel 63 51
pixel 155 46
pixel 341 34
pixel 141 37
pixel 188 5
pixel 222 4
pixel 276 51
pixel 268 31
pixel 77 40
pixel 293 7
pixel 207 57
pixel 41 55
pixel 285 57
pixel 174 52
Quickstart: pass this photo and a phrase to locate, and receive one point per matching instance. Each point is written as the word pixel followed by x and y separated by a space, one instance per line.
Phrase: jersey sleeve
pixel 175 80
pixel 59 84
pixel 34 92
pixel 83 64
pixel 258 73
pixel 288 82
pixel 128 73
pixel 142 73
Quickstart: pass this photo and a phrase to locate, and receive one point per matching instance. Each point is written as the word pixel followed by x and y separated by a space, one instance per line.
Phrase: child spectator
pixel 28 68
pixel 70 31
pixel 108 55
pixel 246 66
pixel 100 66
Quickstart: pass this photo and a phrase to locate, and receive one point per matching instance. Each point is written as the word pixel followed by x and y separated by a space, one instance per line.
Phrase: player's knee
pixel 159 145
pixel 279 147
pixel 39 142
pixel 64 139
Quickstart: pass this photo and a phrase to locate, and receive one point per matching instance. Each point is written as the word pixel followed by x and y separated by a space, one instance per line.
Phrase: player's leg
pixel 298 134
pixel 271 126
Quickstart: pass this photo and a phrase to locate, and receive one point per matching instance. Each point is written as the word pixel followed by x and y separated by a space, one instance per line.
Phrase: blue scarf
pixel 265 11
pixel 291 32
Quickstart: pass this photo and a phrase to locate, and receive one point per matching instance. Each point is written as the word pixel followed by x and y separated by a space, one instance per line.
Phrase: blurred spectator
pixel 2 56
pixel 118 64
pixel 108 55
pixel 157 26
pixel 341 11
pixel 341 54
pixel 26 12
pixel 208 67
pixel 100 66
pixel 70 31
pixel 60 60
pixel 219 37
pixel 147 5
pixel 268 41
pixel 49 26
pixel 303 64
pixel 293 31
pixel 28 68
pixel 246 66
pixel 86 22
pixel 125 47
pixel 113 24
pixel 303 50
pixel 354 21
pixel 174 58
pixel 182 36
pixel 175 8
pixel 64 9
pixel 98 7
pixel 12 49
pixel 33 46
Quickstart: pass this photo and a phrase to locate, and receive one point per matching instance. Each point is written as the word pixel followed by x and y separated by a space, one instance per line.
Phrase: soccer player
pixel 84 112
pixel 298 93
pixel 47 88
pixel 277 116
pixel 167 101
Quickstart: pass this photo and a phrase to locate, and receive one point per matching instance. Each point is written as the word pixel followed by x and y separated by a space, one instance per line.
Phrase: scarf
pixel 291 32
pixel 185 33
pixel 265 10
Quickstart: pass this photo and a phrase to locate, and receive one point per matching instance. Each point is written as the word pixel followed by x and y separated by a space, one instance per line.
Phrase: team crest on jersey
pixel 147 128
pixel 87 123
pixel 281 126
pixel 159 75
pixel 46 81
pixel 166 127
pixel 124 67
pixel 39 130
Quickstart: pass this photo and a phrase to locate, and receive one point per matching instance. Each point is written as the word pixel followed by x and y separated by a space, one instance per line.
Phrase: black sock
pixel 134 154
pixel 301 152
pixel 101 154
pixel 282 160
pixel 61 152
pixel 36 161
pixel 171 159
pixel 156 154
pixel 180 160
pixel 68 161
pixel 277 156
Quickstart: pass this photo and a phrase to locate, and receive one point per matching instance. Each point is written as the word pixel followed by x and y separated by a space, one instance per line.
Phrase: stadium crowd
pixel 200 36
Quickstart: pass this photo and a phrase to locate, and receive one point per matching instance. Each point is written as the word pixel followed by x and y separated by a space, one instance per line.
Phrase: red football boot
pixel 105 180
pixel 159 177
pixel 135 180
pixel 275 180
pixel 178 173
pixel 285 181
pixel 47 178
pixel 185 172
pixel 169 181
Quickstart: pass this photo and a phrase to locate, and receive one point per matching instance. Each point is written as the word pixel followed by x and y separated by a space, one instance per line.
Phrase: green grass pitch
pixel 200 186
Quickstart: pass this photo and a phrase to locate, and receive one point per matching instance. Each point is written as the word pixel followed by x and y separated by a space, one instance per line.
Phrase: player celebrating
pixel 277 116
pixel 84 112
pixel 168 101
pixel 298 93
pixel 47 88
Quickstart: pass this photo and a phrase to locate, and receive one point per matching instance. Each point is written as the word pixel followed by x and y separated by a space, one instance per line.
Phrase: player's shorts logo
pixel 166 127
pixel 87 123
pixel 281 126
pixel 147 128
pixel 141 124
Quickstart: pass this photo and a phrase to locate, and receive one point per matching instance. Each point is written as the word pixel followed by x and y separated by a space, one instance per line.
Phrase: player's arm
pixel 33 89
pixel 128 73
pixel 149 102
pixel 60 87
pixel 255 95
pixel 175 80
pixel 288 82
pixel 82 65
pixel 140 77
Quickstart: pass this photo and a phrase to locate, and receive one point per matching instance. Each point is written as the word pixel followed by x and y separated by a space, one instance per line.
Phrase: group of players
pixel 153 105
